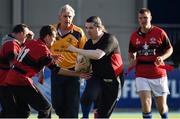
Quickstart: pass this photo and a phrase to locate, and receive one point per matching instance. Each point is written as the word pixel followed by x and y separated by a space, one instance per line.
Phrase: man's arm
pixel 92 54
pixel 167 53
pixel 132 59
pixel 41 76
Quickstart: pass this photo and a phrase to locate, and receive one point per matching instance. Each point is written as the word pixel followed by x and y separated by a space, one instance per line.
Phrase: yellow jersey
pixel 75 37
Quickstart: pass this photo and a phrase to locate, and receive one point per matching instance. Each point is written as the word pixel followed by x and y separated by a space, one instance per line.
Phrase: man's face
pixel 22 36
pixel 66 18
pixel 91 30
pixel 144 19
pixel 51 39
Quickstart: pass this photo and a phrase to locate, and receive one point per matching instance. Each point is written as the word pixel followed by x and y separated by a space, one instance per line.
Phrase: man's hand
pixel 159 61
pixel 85 75
pixel 30 35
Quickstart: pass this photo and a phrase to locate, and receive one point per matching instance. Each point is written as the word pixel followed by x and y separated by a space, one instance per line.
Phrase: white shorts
pixel 159 86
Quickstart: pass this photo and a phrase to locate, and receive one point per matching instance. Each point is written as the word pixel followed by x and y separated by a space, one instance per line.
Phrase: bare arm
pixel 41 76
pixel 92 54
pixel 167 53
pixel 132 59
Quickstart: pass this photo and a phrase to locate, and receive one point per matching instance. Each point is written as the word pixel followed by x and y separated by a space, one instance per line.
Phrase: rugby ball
pixel 82 64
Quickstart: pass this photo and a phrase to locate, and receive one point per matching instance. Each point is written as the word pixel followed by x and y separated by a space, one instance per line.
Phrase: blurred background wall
pixel 118 16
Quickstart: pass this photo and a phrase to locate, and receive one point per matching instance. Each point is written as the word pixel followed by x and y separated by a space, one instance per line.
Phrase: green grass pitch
pixel 123 115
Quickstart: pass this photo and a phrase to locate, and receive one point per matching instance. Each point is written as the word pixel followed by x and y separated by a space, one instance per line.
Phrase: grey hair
pixel 67 7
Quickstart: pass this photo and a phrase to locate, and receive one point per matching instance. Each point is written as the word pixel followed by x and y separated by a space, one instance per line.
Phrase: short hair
pixel 67 7
pixel 19 28
pixel 96 20
pixel 143 10
pixel 46 30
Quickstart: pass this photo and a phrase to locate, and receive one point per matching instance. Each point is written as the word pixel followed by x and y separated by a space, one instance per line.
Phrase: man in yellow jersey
pixel 65 92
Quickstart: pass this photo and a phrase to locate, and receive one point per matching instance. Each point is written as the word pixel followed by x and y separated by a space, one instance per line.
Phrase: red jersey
pixel 8 52
pixel 148 46
pixel 32 58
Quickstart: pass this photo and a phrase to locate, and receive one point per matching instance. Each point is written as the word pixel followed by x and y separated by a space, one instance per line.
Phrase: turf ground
pixel 124 115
